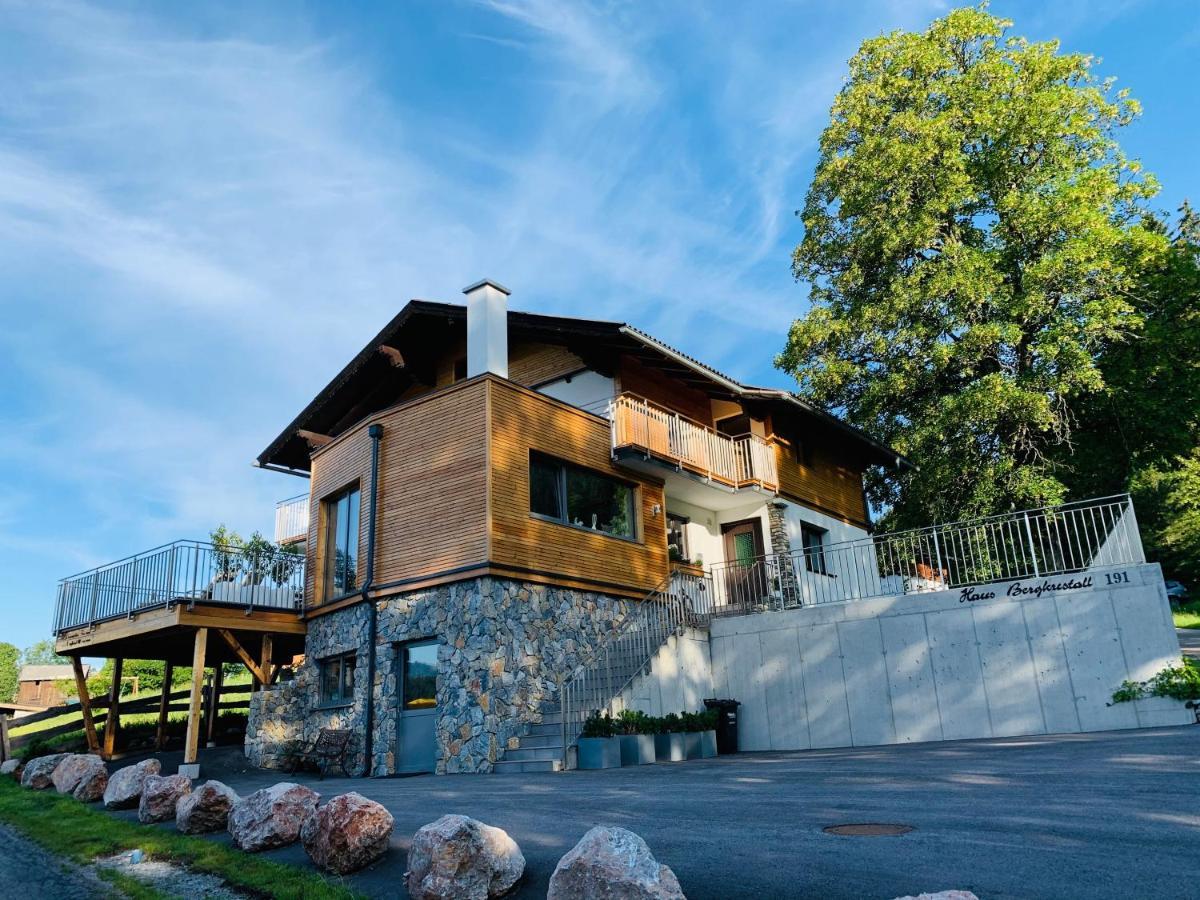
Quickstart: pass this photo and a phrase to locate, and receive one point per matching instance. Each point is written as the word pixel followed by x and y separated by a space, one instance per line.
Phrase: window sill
pixel 559 522
pixel 330 706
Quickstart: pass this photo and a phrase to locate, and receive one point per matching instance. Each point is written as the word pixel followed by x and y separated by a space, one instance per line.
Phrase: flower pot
pixel 669 747
pixel 691 744
pixel 637 749
pixel 708 744
pixel 599 753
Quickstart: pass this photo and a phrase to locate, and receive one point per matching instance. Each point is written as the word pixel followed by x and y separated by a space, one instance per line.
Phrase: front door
pixel 416 749
pixel 744 570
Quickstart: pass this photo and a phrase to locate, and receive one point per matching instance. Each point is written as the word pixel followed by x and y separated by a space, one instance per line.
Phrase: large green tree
pixel 1141 433
pixel 9 672
pixel 42 654
pixel 973 237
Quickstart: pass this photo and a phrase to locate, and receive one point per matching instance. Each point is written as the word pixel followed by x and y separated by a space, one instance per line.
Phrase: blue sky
pixel 206 209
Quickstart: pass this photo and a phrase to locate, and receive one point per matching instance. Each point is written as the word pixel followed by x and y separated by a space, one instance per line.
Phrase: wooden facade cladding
pixel 453 497
pixel 432 488
pixel 635 378
pixel 523 421
pixel 532 364
pixel 826 481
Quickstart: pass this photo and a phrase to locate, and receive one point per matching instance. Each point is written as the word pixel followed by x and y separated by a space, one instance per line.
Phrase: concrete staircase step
pixel 511 767
pixel 532 740
pixel 533 754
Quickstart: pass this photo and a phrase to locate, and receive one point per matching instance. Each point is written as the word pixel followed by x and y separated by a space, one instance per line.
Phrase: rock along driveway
pixel 1113 814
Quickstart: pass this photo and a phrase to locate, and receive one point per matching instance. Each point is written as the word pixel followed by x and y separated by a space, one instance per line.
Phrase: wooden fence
pixel 177 701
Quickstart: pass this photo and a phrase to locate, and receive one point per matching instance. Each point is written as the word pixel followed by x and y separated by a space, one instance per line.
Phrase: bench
pixel 331 747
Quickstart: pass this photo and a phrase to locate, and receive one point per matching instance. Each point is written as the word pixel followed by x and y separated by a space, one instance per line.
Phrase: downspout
pixel 375 432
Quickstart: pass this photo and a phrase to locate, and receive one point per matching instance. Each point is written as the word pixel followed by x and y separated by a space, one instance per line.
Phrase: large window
pixel 341 543
pixel 812 539
pixel 337 680
pixel 580 497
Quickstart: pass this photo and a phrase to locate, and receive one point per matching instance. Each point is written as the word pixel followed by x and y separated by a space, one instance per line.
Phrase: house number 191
pixel 1116 577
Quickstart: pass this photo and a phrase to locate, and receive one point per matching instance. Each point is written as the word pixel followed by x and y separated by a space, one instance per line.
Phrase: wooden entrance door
pixel 744 571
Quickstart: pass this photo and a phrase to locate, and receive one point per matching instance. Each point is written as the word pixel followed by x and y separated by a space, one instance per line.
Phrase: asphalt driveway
pixel 1115 814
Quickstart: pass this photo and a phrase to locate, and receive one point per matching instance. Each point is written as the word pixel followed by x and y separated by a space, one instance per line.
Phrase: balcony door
pixel 416 741
pixel 744 571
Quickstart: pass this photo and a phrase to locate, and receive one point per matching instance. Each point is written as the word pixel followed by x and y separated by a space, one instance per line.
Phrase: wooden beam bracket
pixel 246 658
pixel 315 440
pixel 394 356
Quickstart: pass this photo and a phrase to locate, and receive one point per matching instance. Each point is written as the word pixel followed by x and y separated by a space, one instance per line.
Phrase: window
pixel 677 548
pixel 812 539
pixel 341 543
pixel 579 497
pixel 420 676
pixel 337 680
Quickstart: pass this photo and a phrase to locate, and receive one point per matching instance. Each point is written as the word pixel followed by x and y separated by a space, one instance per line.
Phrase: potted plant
pixel 637 743
pixel 691 734
pixel 708 734
pixel 598 748
pixel 668 739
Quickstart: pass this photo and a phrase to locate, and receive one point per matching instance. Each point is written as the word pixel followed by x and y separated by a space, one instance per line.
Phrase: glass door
pixel 417 739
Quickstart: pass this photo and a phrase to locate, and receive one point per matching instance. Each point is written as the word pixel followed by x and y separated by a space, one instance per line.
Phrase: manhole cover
pixel 869 829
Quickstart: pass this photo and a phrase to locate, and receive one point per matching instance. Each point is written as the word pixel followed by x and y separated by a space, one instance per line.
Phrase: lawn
pixel 80 833
pixel 1187 615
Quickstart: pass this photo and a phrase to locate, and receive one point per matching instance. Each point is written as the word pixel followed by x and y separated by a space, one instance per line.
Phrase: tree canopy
pixel 42 654
pixel 974 238
pixel 9 672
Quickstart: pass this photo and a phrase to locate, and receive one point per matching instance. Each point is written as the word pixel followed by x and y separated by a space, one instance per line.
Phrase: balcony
pixel 641 428
pixel 183 573
pixel 291 520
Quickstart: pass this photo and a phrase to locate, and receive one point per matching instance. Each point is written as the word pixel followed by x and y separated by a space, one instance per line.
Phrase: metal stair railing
pixel 682 600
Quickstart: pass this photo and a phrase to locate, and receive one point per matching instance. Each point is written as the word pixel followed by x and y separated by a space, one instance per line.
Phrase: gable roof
pixel 50 673
pixel 423 328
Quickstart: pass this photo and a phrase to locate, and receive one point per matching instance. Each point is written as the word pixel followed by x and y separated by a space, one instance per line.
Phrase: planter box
pixel 708 744
pixel 669 748
pixel 637 749
pixel 691 744
pixel 599 753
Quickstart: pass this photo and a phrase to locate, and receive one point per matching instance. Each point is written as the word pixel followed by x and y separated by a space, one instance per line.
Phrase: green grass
pixel 1187 615
pixel 70 829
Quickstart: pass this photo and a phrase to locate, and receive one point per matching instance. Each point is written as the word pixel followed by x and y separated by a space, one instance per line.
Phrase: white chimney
pixel 487 328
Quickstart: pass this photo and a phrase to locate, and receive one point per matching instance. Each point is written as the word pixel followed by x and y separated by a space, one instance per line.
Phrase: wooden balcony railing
pixel 743 461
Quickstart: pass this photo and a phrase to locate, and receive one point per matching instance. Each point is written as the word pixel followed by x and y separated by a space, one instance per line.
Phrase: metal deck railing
pixel 291 519
pixel 1033 543
pixel 182 572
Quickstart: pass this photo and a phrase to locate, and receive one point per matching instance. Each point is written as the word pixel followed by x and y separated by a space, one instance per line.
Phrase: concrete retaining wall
pixel 679 680
pixel 1030 657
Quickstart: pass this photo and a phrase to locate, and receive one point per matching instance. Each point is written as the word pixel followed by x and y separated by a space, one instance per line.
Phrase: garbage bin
pixel 727 724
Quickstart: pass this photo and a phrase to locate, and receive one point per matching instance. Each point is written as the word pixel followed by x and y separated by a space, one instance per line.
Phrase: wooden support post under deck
pixel 113 722
pixel 85 705
pixel 214 703
pixel 164 707
pixel 192 747
pixel 5 748
pixel 265 656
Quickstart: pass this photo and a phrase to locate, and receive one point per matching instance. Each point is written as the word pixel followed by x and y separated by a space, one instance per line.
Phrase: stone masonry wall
pixel 290 711
pixel 503 646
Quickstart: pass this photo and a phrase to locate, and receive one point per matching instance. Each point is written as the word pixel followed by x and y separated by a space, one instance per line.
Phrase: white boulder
pixel 613 863
pixel 125 785
pixel 271 817
pixel 459 857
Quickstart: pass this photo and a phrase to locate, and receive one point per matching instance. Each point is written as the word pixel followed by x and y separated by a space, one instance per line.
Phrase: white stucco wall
pixel 588 390
pixel 935 666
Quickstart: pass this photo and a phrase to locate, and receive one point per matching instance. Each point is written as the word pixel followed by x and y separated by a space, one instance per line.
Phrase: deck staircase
pixel 606 681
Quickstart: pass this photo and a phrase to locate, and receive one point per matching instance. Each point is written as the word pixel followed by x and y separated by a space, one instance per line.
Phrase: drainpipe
pixel 375 432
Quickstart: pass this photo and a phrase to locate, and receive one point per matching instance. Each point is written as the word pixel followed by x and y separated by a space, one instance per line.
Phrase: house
pixel 38 684
pixel 513 520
